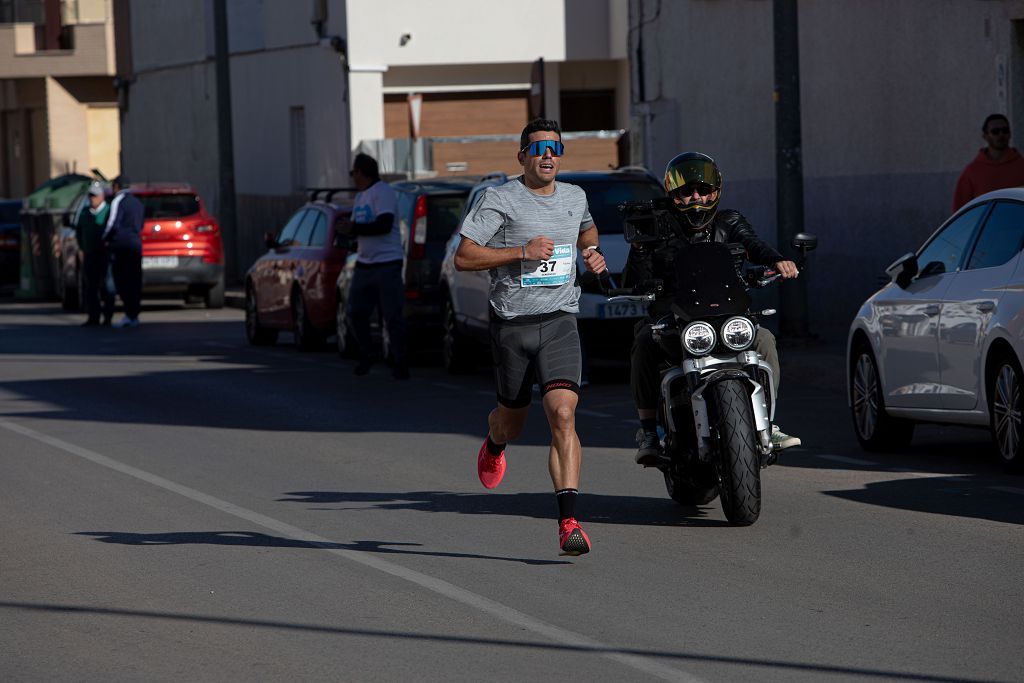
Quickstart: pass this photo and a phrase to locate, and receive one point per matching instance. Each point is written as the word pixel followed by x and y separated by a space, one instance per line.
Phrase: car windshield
pixel 604 197
pixel 169 205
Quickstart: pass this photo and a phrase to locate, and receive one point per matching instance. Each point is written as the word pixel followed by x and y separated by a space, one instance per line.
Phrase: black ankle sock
pixel 649 424
pixel 566 503
pixel 494 449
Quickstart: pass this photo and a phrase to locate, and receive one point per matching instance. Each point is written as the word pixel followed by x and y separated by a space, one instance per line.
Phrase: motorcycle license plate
pixel 622 309
pixel 159 262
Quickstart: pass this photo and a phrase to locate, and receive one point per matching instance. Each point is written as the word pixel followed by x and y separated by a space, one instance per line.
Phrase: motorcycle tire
pixel 685 491
pixel 739 467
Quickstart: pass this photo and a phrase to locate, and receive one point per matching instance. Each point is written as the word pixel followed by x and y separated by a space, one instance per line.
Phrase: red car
pixel 182 251
pixel 293 287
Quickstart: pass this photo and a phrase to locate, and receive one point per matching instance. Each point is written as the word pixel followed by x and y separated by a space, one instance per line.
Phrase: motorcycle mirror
pixel 805 241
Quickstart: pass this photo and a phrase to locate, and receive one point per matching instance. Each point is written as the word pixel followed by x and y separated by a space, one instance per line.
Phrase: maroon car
pixel 293 286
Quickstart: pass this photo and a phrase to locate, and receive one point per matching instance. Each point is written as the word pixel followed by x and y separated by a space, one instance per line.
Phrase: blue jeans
pixel 373 286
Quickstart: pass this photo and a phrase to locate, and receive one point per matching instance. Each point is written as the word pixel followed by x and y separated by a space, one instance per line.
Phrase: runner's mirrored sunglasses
pixel 537 148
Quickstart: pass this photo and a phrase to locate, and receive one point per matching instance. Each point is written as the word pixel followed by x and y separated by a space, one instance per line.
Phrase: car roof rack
pixel 327 192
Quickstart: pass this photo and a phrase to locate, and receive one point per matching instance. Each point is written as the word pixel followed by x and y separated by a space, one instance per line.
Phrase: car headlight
pixel 699 338
pixel 738 333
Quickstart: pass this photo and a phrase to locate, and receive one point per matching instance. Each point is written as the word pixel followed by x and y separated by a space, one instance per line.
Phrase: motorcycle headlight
pixel 738 333
pixel 699 338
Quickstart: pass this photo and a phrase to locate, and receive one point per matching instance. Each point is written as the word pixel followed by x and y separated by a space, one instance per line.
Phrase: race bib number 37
pixel 556 270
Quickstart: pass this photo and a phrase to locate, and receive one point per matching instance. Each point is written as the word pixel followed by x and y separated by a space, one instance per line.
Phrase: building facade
pixel 313 81
pixel 893 96
pixel 58 104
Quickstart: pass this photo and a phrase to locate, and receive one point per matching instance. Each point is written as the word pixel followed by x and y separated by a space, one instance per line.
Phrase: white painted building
pixel 312 80
pixel 893 96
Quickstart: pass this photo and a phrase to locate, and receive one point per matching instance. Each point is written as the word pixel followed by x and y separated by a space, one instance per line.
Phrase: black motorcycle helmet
pixel 686 172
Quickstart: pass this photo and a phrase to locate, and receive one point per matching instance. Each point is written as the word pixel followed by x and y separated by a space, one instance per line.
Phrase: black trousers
pixel 373 286
pixel 127 267
pixel 648 356
pixel 98 299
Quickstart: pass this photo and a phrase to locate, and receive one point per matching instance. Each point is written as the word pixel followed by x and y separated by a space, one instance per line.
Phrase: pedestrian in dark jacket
pixel 89 228
pixel 124 241
pixel 997 165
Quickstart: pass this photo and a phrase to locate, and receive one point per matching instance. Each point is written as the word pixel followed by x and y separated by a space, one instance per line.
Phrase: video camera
pixel 648 220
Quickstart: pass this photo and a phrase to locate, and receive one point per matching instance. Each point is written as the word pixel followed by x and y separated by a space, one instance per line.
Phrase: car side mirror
pixel 269 241
pixel 903 270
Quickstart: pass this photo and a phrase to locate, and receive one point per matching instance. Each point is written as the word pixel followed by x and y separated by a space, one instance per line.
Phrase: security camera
pixel 406 37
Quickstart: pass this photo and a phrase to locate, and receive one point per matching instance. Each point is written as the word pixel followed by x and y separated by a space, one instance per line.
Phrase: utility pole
pixel 225 143
pixel 789 172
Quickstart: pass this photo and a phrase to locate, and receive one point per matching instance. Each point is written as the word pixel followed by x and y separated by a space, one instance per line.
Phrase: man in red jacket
pixel 997 166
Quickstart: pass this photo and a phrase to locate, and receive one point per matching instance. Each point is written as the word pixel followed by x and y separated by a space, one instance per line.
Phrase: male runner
pixel 526 233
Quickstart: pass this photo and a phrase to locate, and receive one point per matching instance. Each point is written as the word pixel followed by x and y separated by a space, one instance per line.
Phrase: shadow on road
pixel 594 507
pixel 258 540
pixel 67 611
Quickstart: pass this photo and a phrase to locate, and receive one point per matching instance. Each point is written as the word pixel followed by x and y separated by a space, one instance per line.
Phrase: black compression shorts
pixel 539 348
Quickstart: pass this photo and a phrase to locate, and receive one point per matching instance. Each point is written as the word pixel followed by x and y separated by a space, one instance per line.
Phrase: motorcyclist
pixel 694 184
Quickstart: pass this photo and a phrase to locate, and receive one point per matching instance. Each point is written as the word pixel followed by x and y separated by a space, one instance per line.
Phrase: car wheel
pixel 456 349
pixel 1007 403
pixel 346 343
pixel 307 337
pixel 875 429
pixel 254 332
pixel 214 296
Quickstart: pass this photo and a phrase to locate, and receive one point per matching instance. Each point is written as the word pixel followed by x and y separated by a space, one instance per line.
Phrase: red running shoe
pixel 490 468
pixel 572 539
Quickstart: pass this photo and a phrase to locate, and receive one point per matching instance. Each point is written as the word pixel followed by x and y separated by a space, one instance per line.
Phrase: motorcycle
pixel 717 402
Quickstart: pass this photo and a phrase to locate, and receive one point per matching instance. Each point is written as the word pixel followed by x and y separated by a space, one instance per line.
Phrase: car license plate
pixel 622 309
pixel 159 262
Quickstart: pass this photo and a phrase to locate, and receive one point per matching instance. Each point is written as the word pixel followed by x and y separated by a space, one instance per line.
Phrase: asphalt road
pixel 175 505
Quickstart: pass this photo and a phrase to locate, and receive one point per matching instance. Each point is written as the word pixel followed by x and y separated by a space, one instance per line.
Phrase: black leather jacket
pixel 655 261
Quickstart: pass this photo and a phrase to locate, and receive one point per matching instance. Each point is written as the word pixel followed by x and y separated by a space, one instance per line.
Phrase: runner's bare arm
pixel 472 256
pixel 593 260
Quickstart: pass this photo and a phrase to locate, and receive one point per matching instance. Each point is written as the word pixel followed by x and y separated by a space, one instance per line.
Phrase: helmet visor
pixel 692 173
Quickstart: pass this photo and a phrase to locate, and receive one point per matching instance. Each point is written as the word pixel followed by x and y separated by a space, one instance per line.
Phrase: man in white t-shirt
pixel 378 275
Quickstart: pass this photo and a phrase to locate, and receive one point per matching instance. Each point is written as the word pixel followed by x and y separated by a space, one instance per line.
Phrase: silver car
pixel 943 341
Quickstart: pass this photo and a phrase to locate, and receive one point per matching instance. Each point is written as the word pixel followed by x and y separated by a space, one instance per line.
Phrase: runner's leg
pixel 565 454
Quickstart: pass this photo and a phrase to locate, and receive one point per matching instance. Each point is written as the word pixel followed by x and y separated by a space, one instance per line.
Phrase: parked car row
pixel 182 248
pixel 301 284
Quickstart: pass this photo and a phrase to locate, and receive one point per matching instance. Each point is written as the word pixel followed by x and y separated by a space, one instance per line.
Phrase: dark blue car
pixel 10 242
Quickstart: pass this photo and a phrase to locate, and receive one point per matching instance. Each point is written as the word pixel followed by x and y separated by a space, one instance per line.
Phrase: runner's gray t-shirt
pixel 510 215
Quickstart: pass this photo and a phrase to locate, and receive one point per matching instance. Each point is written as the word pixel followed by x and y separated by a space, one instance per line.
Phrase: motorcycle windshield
pixel 707 283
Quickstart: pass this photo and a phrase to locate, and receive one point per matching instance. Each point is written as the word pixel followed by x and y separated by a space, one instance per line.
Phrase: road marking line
pixel 928 475
pixel 439 586
pixel 846 460
pixel 1008 489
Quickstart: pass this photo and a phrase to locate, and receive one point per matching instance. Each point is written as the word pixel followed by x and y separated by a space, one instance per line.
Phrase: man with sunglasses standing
pixel 997 165
pixel 527 233
pixel 694 183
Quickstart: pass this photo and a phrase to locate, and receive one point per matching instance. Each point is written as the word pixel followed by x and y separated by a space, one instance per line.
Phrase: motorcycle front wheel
pixel 739 468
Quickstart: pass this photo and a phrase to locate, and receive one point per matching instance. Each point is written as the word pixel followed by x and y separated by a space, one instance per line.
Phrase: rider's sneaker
pixel 649 453
pixel 490 468
pixel 572 539
pixel 782 440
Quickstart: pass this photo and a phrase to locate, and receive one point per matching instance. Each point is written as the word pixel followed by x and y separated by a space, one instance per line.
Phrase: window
pixel 168 205
pixel 1001 237
pixel 319 231
pixel 297 130
pixel 443 216
pixel 287 233
pixel 943 253
pixel 305 230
